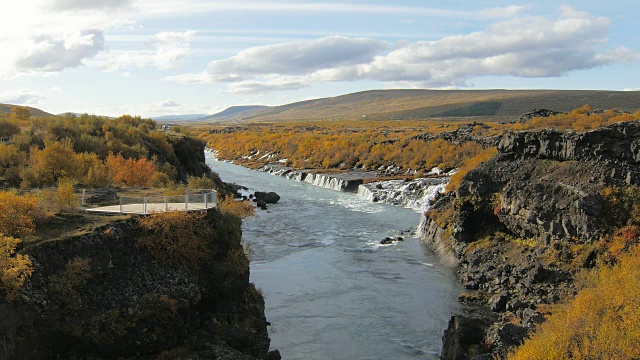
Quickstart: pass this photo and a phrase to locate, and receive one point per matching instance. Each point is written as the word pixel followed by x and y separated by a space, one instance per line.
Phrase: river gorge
pixel 331 290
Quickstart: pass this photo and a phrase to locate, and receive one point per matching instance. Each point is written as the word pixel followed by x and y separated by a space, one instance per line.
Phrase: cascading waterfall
pixel 326 181
pixel 322 180
pixel 415 194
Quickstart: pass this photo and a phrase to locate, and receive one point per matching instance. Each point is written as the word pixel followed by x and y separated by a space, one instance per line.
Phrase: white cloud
pixel 327 54
pixel 501 12
pixel 62 5
pixel 168 103
pixel 36 39
pixel 188 7
pixel 54 54
pixel 169 48
pixel 521 47
pixel 21 97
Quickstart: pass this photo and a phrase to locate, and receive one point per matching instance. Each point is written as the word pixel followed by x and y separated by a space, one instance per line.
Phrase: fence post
pixel 166 204
pixel 82 197
pixel 206 197
pixel 120 204
pixel 145 206
pixel 186 199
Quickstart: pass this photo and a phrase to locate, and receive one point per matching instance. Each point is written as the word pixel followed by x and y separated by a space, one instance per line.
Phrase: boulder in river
pixel 268 197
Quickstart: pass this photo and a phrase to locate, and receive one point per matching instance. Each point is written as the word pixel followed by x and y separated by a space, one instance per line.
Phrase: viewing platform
pixel 151 204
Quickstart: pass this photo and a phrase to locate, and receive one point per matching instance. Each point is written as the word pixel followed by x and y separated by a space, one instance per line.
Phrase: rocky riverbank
pixel 515 223
pixel 103 295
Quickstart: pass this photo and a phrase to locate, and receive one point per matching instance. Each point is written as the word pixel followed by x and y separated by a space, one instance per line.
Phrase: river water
pixel 331 290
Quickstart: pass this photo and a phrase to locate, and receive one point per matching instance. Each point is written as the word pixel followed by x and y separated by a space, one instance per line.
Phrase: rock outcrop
pixel 511 226
pixel 537 113
pixel 103 295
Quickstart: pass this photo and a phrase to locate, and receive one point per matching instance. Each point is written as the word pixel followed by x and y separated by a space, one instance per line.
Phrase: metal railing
pixel 148 204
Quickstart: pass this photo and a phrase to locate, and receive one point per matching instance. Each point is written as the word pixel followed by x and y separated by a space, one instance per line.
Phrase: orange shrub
pixel 18 213
pixel 130 172
pixel 470 164
pixel 177 237
pixel 240 209
pixel 600 323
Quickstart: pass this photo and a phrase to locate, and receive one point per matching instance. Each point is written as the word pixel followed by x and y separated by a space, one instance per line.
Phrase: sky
pixel 161 57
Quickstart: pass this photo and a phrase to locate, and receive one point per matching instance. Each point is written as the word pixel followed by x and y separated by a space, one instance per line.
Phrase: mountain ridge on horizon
pixel 412 104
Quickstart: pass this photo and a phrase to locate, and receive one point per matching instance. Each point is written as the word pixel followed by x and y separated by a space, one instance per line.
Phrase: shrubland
pixel 93 151
pixel 601 322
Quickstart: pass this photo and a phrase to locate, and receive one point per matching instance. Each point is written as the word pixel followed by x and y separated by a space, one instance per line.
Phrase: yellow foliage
pixel 600 323
pixel 15 268
pixel 469 165
pixel 342 145
pixel 203 182
pixel 580 119
pixel 177 237
pixel 55 161
pixel 240 209
pixel 130 172
pixel 18 213
pixel 62 198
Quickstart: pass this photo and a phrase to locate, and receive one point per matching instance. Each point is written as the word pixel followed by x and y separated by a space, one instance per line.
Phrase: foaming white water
pixel 326 181
pixel 417 194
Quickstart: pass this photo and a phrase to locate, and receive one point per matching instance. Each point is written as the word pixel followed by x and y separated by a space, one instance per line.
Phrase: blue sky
pixel 157 57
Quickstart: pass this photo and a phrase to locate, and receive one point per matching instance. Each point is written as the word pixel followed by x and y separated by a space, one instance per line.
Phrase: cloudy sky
pixel 157 57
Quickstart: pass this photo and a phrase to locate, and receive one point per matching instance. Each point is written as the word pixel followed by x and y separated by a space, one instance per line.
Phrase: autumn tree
pixel 54 162
pixel 19 113
pixel 131 172
pixel 17 218
pixel 8 128
pixel 14 268
pixel 18 213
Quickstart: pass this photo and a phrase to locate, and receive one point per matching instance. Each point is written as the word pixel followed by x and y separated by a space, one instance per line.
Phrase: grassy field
pixel 446 104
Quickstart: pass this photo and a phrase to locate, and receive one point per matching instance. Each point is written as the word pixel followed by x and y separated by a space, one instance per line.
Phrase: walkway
pixel 143 206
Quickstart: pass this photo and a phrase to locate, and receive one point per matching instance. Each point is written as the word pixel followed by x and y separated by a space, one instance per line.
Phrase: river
pixel 331 290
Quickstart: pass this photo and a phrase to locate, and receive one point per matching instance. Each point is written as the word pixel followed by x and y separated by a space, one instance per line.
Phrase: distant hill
pixel 446 104
pixel 80 114
pixel 178 117
pixel 6 109
pixel 236 113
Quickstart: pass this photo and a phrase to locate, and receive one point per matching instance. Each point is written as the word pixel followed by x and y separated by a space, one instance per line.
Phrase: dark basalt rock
pixel 463 338
pixel 261 204
pixel 537 113
pixel 127 304
pixel 498 302
pixel 268 197
pixel 535 200
pixel 389 240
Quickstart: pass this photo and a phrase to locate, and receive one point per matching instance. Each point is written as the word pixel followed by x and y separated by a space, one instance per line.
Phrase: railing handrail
pixel 209 199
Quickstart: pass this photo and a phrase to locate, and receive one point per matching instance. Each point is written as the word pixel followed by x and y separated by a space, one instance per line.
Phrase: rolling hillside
pixel 6 108
pixel 446 104
pixel 177 117
pixel 236 113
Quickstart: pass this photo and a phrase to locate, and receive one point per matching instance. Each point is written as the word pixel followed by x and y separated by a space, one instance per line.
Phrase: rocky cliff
pixel 104 295
pixel 515 225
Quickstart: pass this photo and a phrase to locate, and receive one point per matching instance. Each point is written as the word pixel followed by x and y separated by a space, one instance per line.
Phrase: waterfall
pixel 416 194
